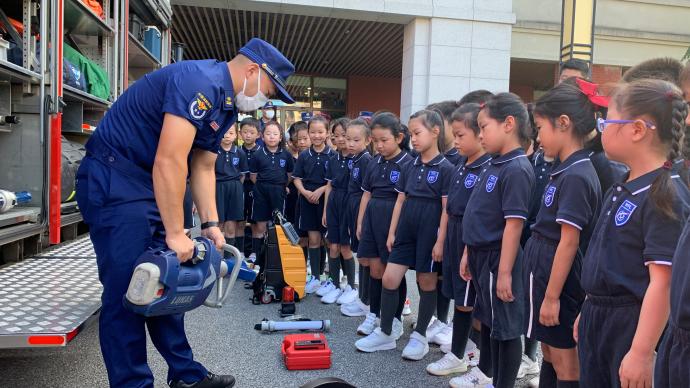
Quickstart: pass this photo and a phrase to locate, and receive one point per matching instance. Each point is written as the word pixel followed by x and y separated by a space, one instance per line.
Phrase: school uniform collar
pixel 581 156
pixel 433 162
pixel 278 151
pixel 482 160
pixel 356 158
pixel 254 149
pixel 452 152
pixel 326 150
pixel 397 160
pixel 642 183
pixel 508 156
pixel 340 156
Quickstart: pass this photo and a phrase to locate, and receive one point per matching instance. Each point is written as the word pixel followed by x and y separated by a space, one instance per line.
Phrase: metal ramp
pixel 47 299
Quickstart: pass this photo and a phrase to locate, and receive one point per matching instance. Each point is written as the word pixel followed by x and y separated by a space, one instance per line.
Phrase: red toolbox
pixel 306 351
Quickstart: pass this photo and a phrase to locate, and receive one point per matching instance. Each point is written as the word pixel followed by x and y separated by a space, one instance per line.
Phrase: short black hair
pixel 296 127
pixel 252 122
pixel 479 96
pixel 445 108
pixel 576 64
pixel 665 69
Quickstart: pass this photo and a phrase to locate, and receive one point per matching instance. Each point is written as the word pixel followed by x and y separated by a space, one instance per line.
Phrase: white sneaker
pixel 527 367
pixel 471 356
pixel 443 337
pixel 370 323
pixel 252 258
pixel 397 330
pixel 435 327
pixel 449 364
pixel 325 288
pixel 354 309
pixel 376 341
pixel 416 348
pixel 349 295
pixel 406 307
pixel 332 296
pixel 475 378
pixel 312 286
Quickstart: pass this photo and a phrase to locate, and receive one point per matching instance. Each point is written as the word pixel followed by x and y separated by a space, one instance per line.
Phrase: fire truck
pixel 62 65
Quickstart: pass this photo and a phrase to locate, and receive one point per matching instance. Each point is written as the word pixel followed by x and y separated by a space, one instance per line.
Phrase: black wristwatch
pixel 209 224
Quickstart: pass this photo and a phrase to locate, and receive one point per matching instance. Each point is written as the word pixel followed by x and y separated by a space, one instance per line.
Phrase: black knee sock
pixel 485 354
pixel 305 250
pixel 402 295
pixel 239 243
pixel 322 262
pixel 531 348
pixel 547 375
pixel 475 336
pixel 462 321
pixel 389 301
pixel 349 269
pixel 315 261
pixel 364 285
pixel 257 244
pixel 427 306
pixel 442 303
pixel 509 358
pixel 229 241
pixel 334 270
pixel 375 287
pixel 360 281
pixel 566 384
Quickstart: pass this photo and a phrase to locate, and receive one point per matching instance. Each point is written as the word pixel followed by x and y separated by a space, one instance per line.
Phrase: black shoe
pixel 210 381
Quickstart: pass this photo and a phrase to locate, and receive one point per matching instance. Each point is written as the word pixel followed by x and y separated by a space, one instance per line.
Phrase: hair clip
pixel 590 90
pixel 668 165
pixel 482 105
pixel 670 96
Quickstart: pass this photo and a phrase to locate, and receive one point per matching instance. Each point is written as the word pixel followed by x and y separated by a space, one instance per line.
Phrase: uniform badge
pixel 491 183
pixel 214 125
pixel 235 161
pixel 549 195
pixel 470 181
pixel 432 176
pixel 395 175
pixel 199 107
pixel 349 164
pixel 624 212
pixel 355 172
pixel 282 162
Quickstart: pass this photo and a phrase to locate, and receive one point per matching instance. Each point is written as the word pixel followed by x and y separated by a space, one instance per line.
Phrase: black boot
pixel 210 381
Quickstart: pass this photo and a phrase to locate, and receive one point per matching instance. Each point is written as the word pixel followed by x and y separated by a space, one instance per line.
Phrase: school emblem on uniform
pixel 549 195
pixel 395 175
pixel 624 212
pixel 235 161
pixel 349 164
pixel 470 180
pixel 491 183
pixel 199 106
pixel 355 172
pixel 282 162
pixel 432 176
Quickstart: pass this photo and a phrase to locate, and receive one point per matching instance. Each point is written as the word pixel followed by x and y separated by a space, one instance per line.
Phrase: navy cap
pixel 269 105
pixel 273 62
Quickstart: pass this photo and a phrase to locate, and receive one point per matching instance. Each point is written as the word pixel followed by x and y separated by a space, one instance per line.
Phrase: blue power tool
pixel 161 285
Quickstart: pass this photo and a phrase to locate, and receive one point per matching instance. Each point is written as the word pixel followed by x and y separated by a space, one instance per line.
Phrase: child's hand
pixel 504 287
pixel 437 252
pixel 465 273
pixel 577 323
pixel 390 242
pixel 323 221
pixel 636 369
pixel 548 314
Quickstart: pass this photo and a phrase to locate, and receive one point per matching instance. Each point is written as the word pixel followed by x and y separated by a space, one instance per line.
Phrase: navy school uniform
pixel 272 169
pixel 573 197
pixel 424 185
pixel 311 169
pixel 116 198
pixel 630 234
pixel 673 357
pixel 503 191
pixel 337 213
pixel 360 164
pixel 380 180
pixel 454 157
pixel 291 200
pixel 230 166
pixel 542 175
pixel 248 184
pixel 461 185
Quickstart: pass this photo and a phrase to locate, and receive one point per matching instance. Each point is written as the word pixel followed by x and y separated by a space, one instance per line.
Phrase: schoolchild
pixel 569 207
pixel 310 181
pixel 270 170
pixel 466 140
pixel 492 226
pixel 358 139
pixel 626 272
pixel 391 143
pixel 231 168
pixel 249 131
pixel 301 144
pixel 446 109
pixel 416 235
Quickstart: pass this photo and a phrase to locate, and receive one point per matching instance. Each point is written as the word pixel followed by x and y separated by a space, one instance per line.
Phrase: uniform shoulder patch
pixel 199 106
pixel 625 210
pixel 491 183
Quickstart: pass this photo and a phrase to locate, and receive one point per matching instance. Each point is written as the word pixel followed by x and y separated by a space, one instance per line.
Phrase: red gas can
pixel 306 351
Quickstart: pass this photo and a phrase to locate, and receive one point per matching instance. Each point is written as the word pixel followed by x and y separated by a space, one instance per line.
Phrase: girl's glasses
pixel 601 123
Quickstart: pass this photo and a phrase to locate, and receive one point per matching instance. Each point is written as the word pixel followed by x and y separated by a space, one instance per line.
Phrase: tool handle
pixel 222 291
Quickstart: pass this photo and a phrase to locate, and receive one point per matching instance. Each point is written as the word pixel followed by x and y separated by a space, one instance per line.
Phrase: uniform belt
pixel 385 198
pixel 613 301
pixel 541 237
pixel 425 199
pixel 682 334
pixel 486 247
pixel 98 149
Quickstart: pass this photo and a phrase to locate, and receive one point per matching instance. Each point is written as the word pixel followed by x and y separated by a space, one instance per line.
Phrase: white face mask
pixel 270 114
pixel 249 104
